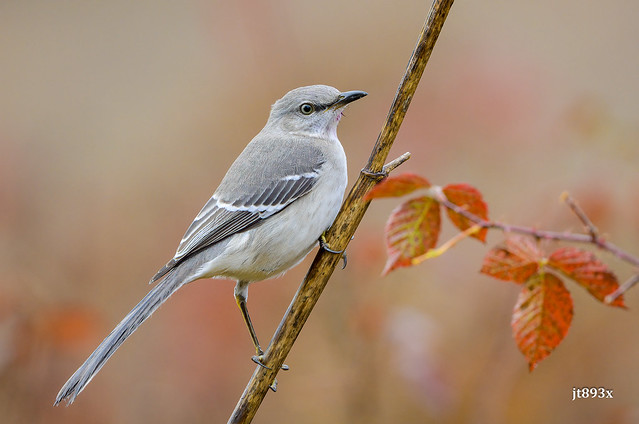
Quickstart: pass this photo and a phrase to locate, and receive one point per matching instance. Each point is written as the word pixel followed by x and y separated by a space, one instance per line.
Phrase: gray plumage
pixel 278 197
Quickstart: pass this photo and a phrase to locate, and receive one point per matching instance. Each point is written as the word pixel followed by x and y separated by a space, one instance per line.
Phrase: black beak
pixel 347 97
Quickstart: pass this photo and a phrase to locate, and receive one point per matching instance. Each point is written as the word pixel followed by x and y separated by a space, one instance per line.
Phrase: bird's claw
pixel 324 245
pixel 258 359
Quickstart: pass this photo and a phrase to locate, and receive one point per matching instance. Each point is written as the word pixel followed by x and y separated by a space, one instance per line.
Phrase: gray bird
pixel 271 208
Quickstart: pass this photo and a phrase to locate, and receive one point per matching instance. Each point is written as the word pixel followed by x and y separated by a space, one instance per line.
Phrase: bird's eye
pixel 307 108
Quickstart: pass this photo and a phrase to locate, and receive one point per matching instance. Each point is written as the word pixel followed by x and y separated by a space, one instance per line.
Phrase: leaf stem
pixel 545 234
pixel 438 251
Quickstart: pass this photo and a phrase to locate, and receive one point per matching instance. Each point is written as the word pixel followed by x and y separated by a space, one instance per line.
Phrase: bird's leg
pixel 241 294
pixel 324 245
pixel 240 299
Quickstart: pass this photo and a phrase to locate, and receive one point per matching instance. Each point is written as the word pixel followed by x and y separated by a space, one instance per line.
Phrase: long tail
pixel 160 293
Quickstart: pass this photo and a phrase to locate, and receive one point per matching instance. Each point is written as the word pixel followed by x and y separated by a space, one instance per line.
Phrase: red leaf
pixel 517 259
pixel 470 199
pixel 541 317
pixel 397 186
pixel 592 274
pixel 411 230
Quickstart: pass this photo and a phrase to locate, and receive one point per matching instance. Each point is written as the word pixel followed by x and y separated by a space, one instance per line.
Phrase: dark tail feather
pixel 124 329
pixel 165 270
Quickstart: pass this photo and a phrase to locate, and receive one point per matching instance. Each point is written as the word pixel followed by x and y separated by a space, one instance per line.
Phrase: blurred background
pixel 118 119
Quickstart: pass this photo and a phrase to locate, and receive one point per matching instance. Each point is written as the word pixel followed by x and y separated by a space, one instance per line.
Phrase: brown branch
pixel 339 235
pixel 591 238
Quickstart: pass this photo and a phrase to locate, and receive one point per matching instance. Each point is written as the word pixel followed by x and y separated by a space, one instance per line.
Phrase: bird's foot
pixel 258 359
pixel 324 245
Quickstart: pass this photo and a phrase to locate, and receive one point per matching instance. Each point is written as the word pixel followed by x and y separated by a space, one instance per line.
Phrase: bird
pixel 269 211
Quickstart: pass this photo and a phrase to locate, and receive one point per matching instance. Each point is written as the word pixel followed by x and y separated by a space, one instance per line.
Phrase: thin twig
pixel 438 251
pixel 390 166
pixel 340 233
pixel 622 289
pixel 386 169
pixel 543 234
pixel 594 232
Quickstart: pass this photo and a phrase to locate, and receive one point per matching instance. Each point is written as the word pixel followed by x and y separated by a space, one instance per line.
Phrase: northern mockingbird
pixel 271 208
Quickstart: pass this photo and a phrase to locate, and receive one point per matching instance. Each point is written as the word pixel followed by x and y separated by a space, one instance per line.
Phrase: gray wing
pixel 246 198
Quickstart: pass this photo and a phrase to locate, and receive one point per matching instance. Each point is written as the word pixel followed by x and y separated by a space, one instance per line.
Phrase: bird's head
pixel 313 111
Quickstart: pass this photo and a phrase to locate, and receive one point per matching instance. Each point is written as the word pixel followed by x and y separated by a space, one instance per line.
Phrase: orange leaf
pixel 590 273
pixel 541 317
pixel 517 259
pixel 411 230
pixel 470 199
pixel 397 186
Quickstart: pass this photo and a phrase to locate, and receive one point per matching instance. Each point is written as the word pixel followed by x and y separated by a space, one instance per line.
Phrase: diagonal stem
pixel 339 235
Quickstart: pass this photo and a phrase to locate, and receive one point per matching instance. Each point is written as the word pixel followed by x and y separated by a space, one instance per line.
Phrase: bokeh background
pixel 118 119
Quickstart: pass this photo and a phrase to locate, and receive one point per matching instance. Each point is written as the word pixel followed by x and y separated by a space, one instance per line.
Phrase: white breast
pixel 285 238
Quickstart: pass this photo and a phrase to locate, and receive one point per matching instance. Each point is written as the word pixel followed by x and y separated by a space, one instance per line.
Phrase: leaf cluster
pixel 544 310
